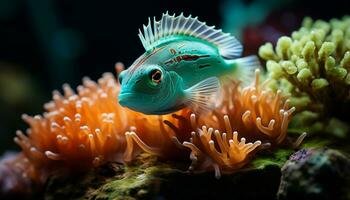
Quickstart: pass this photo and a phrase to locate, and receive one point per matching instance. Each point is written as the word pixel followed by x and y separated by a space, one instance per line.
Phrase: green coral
pixel 312 66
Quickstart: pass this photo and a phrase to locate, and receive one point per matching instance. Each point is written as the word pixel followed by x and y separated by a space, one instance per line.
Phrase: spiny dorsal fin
pixel 171 25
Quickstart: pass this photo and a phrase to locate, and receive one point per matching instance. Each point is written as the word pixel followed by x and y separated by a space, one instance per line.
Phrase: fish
pixel 185 64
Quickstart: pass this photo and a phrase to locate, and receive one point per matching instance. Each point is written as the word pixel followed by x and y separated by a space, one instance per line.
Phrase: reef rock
pixel 148 178
pixel 316 173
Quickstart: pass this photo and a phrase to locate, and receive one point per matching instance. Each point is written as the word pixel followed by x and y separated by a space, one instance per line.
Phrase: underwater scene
pixel 178 100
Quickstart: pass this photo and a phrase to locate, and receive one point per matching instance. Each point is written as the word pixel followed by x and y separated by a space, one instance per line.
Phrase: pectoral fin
pixel 203 95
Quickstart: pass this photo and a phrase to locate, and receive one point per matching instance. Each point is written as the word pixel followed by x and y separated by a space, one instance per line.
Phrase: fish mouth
pixel 125 98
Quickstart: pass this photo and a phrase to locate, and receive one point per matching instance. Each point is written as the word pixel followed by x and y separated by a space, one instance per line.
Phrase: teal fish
pixel 185 64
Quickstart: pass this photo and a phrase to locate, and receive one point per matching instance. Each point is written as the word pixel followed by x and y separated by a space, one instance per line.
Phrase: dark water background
pixel 45 43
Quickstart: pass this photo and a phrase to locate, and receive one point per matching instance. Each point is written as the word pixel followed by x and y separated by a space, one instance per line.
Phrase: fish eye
pixel 120 79
pixel 156 76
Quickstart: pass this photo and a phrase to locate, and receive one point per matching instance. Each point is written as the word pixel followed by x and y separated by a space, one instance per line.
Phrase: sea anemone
pixel 81 129
pixel 150 135
pixel 221 152
pixel 312 66
pixel 256 111
pixel 253 113
pixel 89 128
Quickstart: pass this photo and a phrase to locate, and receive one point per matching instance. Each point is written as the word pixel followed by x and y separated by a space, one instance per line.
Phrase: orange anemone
pixel 252 113
pixel 90 128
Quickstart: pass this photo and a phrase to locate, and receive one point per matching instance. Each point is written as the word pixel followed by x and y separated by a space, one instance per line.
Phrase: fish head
pixel 150 89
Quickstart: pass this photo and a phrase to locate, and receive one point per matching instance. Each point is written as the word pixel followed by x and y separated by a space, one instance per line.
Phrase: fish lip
pixel 123 94
pixel 124 97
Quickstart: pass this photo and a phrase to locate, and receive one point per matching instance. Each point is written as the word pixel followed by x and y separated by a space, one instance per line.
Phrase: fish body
pixel 185 64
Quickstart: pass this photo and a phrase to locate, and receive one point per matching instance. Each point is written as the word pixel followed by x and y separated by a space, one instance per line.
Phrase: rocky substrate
pixel 314 173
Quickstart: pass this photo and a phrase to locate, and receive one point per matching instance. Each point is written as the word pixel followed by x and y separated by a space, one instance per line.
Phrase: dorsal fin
pixel 229 47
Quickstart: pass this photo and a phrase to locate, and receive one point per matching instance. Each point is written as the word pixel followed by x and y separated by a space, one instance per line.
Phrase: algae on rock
pixel 149 178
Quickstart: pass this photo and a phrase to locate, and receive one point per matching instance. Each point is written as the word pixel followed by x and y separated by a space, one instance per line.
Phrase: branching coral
pixel 312 65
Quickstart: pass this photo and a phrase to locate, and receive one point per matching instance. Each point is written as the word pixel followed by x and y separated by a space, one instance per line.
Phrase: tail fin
pixel 244 69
